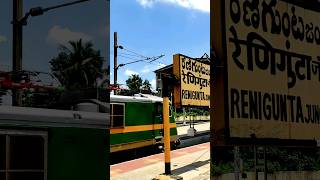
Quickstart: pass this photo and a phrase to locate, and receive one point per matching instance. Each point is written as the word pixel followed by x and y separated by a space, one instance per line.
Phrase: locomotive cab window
pixel 23 155
pixel 117 115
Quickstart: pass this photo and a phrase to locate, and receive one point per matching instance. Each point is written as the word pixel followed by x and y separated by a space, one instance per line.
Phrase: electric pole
pixel 17 48
pixel 18 21
pixel 115 62
pixel 115 59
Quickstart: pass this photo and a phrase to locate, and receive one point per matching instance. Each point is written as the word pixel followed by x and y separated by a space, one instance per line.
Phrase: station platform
pixel 203 127
pixel 202 134
pixel 190 163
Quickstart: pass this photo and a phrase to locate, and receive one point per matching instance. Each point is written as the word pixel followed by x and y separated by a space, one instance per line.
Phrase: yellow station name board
pixel 194 82
pixel 271 69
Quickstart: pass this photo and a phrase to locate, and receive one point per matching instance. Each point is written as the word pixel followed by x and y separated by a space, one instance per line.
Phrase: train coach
pixel 136 122
pixel 48 144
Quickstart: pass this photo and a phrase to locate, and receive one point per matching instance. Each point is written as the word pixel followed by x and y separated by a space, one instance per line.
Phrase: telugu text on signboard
pixel 194 78
pixel 273 69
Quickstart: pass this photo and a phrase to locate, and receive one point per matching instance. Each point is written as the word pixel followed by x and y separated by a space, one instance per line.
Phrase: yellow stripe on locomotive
pixel 137 122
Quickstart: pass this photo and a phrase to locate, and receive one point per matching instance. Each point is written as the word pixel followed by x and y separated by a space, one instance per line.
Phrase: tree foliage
pixel 77 66
pixel 134 83
pixel 146 87
pixel 137 85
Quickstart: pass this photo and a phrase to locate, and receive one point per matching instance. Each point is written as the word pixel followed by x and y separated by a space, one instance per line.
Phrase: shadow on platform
pixel 189 167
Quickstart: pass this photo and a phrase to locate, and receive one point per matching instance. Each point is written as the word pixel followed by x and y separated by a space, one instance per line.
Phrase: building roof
pixel 144 98
pixel 165 69
pixel 169 68
pixel 40 117
pixel 151 97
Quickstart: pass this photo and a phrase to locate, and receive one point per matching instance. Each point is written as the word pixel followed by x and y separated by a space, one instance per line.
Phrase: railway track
pixel 185 141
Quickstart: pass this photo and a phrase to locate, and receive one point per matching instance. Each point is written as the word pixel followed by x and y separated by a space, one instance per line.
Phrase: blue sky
pixel 155 27
pixel 148 27
pixel 43 34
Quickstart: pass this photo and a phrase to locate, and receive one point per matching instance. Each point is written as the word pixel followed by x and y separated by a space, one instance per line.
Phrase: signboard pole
pixel 166 125
pixel 255 162
pixel 265 163
pixel 236 163
pixel 166 86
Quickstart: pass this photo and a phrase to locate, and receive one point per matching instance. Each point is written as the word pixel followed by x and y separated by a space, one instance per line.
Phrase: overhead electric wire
pixel 129 54
pixel 134 52
pixel 139 60
pixel 131 57
pixel 152 59
pixel 133 62
pixel 136 57
pixel 158 64
pixel 156 58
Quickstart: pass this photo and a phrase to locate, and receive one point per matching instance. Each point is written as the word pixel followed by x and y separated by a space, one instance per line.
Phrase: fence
pixel 282 175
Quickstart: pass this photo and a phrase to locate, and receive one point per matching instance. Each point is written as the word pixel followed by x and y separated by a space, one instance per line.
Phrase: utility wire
pixel 130 57
pixel 152 59
pixel 63 5
pixel 134 52
pixel 130 54
pixel 156 58
pixel 134 62
pixel 136 57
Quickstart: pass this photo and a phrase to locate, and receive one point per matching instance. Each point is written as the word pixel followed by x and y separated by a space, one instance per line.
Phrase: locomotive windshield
pixel 117 115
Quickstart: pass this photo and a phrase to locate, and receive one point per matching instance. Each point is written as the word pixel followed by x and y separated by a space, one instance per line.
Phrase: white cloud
pixel 59 35
pixel 200 5
pixel 161 65
pixel 3 39
pixel 129 72
pixel 145 70
pixel 145 3
pixel 153 84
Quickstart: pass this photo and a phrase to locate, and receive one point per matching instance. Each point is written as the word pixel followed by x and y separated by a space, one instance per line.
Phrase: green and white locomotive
pixel 50 144
pixel 136 121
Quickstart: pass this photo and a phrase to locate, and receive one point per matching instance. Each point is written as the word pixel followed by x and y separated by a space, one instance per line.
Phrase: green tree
pixel 77 66
pixel 134 83
pixel 146 87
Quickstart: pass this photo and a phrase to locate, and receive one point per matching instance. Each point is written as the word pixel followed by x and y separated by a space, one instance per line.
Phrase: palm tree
pixel 146 87
pixel 78 66
pixel 134 83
